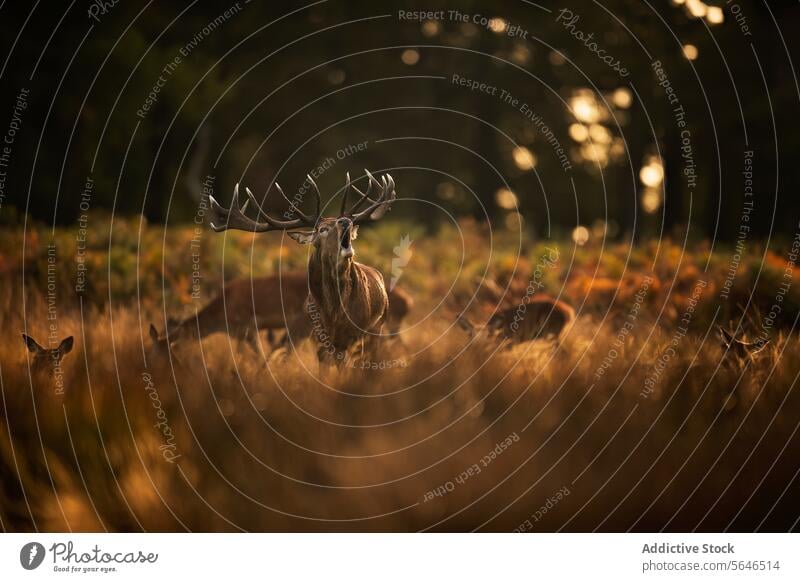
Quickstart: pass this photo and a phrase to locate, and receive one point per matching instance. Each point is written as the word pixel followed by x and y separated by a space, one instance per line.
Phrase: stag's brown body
pixel 346 300
pixel 246 305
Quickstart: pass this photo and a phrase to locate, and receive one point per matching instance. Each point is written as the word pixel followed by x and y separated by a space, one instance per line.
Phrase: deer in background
pixel 45 359
pixel 741 350
pixel 346 301
pixel 530 318
pixel 533 319
pixel 244 307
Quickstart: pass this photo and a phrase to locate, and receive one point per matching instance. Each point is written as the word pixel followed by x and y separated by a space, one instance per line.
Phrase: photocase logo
pixel 402 255
pixel 31 555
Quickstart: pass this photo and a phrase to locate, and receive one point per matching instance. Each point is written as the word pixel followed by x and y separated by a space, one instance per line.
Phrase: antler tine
pixel 362 196
pixel 346 193
pixel 724 335
pixel 365 197
pixel 318 212
pixel 378 207
pixel 234 218
pixel 251 198
pixel 293 207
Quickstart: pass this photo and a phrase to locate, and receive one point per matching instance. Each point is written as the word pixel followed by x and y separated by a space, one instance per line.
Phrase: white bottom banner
pixel 401 557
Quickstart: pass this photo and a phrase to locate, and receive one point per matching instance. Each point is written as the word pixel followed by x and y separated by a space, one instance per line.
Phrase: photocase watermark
pixel 197 235
pixel 671 351
pixel 172 66
pixel 95 560
pixel 527 111
pixel 535 284
pixel 31 555
pixel 402 256
pixel 744 227
pixel 100 8
pixel 679 114
pixel 569 20
pixel 472 470
pixel 547 506
pixel 168 447
pixel 20 105
pixel 66 559
pixel 622 334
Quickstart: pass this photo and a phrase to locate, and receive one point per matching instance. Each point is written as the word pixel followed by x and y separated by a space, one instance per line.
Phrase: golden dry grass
pixel 277 450
pixel 712 446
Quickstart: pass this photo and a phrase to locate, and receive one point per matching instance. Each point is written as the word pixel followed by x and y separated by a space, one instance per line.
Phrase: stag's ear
pixel 33 347
pixel 303 238
pixel 66 346
pixel 354 232
pixel 153 333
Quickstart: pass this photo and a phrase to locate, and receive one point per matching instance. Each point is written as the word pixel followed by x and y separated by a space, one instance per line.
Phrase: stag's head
pixel 331 236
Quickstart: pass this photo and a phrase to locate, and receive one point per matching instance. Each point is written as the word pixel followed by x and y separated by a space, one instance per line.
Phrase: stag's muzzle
pixel 345 242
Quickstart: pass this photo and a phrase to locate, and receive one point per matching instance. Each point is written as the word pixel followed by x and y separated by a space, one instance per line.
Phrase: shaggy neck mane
pixel 331 281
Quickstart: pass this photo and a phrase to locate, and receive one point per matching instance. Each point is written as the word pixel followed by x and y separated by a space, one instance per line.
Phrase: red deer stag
pixel 346 301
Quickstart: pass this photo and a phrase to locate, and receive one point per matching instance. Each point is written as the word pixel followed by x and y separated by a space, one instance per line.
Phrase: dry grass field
pixel 651 428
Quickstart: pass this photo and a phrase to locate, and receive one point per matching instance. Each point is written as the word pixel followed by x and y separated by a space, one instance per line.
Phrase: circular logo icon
pixel 31 555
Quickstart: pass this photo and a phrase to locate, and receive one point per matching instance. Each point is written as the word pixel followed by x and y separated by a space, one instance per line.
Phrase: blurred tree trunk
pixel 486 182
pixel 631 186
pixel 674 212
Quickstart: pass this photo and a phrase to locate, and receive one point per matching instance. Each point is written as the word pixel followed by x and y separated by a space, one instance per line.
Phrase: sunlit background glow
pixel 699 9
pixel 524 158
pixel 506 199
pixel 580 235
pixel 652 172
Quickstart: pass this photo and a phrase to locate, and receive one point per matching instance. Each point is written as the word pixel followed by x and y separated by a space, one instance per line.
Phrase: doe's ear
pixel 303 238
pixel 465 324
pixel 153 333
pixel 66 346
pixel 33 347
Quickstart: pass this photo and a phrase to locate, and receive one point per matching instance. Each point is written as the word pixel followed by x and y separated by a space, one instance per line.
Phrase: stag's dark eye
pixel 324 230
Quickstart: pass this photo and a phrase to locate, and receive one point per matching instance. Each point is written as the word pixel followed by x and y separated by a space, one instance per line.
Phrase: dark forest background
pixel 277 88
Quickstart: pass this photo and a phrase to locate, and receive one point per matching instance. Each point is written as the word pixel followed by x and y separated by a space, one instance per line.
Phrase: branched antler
pixel 234 218
pixel 378 207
